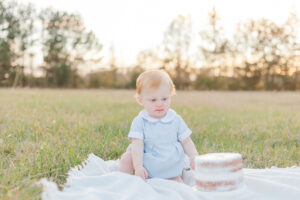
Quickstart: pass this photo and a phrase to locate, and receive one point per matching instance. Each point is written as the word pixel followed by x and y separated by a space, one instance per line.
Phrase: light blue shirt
pixel 163 154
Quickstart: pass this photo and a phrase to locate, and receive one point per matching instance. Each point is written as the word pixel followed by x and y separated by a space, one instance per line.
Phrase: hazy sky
pixel 134 25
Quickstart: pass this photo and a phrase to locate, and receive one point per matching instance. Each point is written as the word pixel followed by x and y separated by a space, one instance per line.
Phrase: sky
pixel 134 25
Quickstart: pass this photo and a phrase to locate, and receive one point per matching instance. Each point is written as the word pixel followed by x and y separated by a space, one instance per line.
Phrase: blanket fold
pixel 97 179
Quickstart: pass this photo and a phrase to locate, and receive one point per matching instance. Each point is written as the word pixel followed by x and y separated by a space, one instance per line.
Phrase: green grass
pixel 46 132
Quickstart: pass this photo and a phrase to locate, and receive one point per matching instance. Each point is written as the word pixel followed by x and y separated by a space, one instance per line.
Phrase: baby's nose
pixel 159 102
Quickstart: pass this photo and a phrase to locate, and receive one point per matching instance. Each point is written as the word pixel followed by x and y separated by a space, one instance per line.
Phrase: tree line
pixel 260 55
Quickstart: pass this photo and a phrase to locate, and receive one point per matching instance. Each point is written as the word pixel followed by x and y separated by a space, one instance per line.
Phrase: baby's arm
pixel 190 149
pixel 137 158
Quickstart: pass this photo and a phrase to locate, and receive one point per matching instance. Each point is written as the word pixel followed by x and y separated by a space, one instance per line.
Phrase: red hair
pixel 152 79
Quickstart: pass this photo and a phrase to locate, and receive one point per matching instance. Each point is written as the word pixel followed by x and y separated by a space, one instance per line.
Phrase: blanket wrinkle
pixel 97 179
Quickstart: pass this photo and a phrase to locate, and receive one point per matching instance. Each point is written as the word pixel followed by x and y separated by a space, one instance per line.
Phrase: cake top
pixel 218 160
pixel 218 157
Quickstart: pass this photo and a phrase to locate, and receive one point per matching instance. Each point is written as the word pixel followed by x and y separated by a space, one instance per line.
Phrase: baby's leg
pixel 177 178
pixel 126 165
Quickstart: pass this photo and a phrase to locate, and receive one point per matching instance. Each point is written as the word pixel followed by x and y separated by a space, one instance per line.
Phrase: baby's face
pixel 156 101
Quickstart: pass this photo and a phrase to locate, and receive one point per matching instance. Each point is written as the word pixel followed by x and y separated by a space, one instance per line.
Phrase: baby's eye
pixel 164 99
pixel 153 100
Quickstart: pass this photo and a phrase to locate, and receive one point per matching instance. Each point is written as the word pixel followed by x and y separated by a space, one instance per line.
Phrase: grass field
pixel 46 132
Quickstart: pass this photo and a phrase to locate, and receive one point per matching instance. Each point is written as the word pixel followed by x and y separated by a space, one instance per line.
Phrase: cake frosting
pixel 219 171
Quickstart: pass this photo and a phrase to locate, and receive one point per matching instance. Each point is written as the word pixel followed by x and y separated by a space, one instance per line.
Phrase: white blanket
pixel 99 179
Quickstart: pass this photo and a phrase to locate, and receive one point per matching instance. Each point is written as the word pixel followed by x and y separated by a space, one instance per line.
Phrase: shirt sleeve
pixel 183 131
pixel 136 129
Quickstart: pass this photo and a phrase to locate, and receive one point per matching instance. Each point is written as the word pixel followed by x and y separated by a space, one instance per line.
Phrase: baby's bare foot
pixel 177 178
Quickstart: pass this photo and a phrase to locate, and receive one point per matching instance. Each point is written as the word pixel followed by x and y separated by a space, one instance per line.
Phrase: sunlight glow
pixel 134 25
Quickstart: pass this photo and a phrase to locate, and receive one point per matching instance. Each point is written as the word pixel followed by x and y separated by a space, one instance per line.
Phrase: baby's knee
pixel 126 163
pixel 126 157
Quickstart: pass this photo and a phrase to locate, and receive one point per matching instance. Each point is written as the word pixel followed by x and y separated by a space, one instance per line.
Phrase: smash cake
pixel 219 171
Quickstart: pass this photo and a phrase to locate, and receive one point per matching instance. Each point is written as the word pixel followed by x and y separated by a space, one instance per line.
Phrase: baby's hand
pixel 192 162
pixel 141 172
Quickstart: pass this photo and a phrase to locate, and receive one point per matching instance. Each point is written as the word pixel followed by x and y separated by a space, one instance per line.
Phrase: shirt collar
pixel 171 114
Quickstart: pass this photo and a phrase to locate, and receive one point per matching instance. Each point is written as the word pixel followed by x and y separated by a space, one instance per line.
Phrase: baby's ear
pixel 139 100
